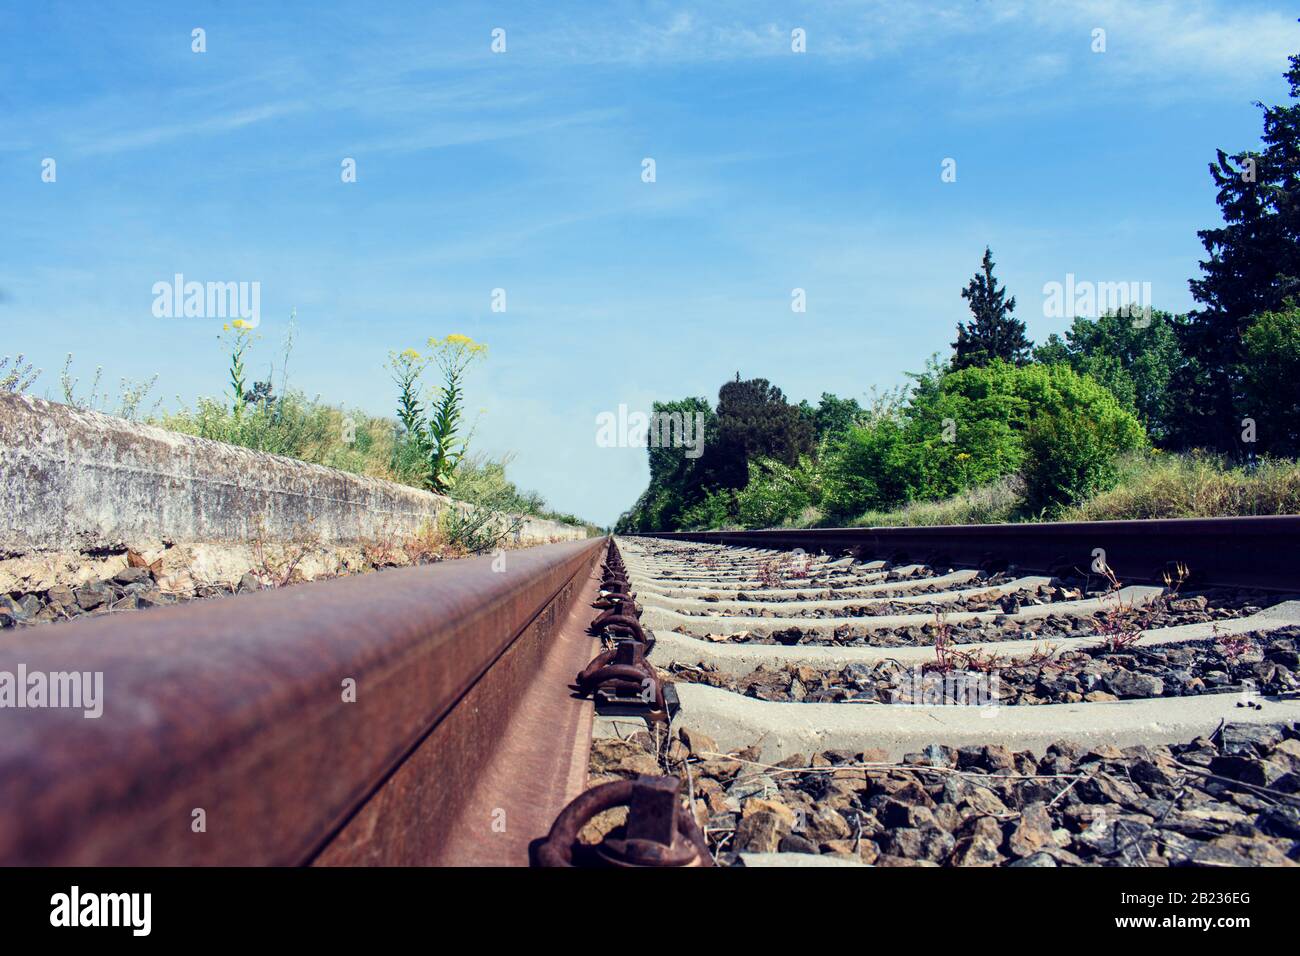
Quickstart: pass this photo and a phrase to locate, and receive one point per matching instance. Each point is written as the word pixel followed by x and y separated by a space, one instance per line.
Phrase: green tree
pixel 1252 267
pixel 1271 380
pixel 993 332
pixel 754 421
pixel 832 416
pixel 677 473
pixel 1052 350
pixel 1134 358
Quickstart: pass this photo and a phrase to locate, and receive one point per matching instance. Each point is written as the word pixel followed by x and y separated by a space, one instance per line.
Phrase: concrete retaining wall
pixel 75 480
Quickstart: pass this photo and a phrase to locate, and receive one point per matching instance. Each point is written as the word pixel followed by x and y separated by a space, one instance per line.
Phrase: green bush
pixel 777 494
pixel 968 432
pixel 990 410
pixel 971 428
pixel 974 428
pixel 871 466
pixel 717 509
pixel 1070 456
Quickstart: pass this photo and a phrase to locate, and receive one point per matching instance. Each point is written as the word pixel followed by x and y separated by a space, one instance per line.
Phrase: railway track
pixel 879 703
pixel 931 697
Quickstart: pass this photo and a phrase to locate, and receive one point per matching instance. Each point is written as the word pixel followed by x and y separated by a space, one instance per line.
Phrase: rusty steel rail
pixel 1253 552
pixel 227 737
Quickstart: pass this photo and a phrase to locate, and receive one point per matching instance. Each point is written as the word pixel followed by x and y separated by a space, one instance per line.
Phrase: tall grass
pixel 131 395
pixel 298 427
pixel 482 481
pixel 19 377
pixel 1194 486
pixel 1151 485
pixel 988 504
pixel 310 430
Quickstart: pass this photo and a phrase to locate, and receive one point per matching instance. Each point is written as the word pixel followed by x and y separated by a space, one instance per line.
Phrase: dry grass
pixel 1152 485
pixel 1194 486
pixel 990 504
pixel 424 546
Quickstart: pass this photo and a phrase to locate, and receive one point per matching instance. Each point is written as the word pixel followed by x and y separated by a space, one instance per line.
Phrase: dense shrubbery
pixel 777 494
pixel 969 428
pixel 716 509
pixel 1069 457
pixel 867 468
pixel 960 430
pixel 1134 360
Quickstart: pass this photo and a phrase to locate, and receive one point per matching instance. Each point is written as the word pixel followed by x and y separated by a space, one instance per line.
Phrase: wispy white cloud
pixel 1030 40
pixel 1170 41
pixel 143 138
pixel 461 133
pixel 1005 49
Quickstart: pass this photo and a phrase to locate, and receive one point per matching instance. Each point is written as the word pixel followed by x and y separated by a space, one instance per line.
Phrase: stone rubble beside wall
pixel 76 484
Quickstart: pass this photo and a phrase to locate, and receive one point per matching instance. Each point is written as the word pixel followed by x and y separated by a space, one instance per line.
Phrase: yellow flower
pixel 962 456
pixel 226 327
pixel 411 355
pixel 241 324
pixel 459 342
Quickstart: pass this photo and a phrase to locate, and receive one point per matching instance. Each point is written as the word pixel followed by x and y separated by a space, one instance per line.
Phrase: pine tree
pixel 1253 267
pixel 754 421
pixel 993 332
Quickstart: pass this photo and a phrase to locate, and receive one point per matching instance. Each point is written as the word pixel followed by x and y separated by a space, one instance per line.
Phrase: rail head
pixel 248 730
pixel 1261 552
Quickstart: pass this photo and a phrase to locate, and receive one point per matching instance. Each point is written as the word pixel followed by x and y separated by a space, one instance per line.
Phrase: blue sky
pixel 522 171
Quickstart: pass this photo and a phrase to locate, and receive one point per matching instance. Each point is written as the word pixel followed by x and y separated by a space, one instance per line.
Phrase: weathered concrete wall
pixel 75 480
